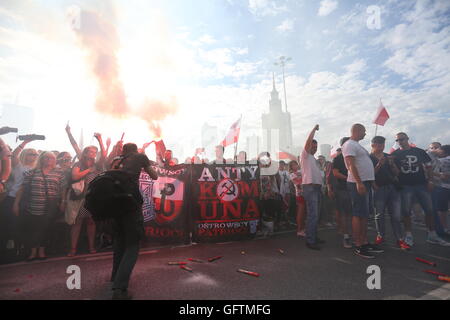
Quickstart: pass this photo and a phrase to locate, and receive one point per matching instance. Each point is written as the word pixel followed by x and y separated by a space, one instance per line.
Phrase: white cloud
pixel 286 26
pixel 261 8
pixel 420 46
pixel 207 39
pixel 327 7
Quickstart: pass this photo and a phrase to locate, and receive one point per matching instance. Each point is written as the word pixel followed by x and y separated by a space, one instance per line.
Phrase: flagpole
pixel 236 144
pixel 376 128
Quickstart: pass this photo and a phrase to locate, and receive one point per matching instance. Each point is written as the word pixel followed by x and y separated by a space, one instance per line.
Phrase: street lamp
pixel 282 62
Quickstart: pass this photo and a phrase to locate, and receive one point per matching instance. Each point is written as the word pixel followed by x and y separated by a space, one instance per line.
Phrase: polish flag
pixel 233 134
pixel 382 115
pixel 286 155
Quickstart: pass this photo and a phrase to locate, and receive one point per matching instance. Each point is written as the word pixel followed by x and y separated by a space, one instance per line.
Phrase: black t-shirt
pixel 384 176
pixel 134 164
pixel 339 163
pixel 410 162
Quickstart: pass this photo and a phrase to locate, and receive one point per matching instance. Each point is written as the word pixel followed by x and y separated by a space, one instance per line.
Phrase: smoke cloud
pixel 99 38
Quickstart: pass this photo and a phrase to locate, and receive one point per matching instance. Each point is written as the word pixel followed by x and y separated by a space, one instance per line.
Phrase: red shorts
pixel 300 199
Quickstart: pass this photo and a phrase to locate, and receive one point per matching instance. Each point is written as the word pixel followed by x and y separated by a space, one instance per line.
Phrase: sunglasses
pixel 402 139
pixel 66 160
pixel 33 154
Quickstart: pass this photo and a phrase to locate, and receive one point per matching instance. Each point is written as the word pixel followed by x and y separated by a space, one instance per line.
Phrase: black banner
pixel 165 208
pixel 224 202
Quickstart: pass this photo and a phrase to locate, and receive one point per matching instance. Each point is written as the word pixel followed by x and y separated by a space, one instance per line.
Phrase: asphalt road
pixel 299 273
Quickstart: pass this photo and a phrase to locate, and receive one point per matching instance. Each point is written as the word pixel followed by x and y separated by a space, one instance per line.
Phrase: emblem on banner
pixel 227 190
pixel 168 196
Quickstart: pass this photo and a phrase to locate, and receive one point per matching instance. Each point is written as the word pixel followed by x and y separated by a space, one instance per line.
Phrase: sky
pixel 214 59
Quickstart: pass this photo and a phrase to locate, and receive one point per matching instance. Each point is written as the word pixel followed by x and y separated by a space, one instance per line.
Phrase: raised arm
pixel 73 142
pixel 152 173
pixel 310 138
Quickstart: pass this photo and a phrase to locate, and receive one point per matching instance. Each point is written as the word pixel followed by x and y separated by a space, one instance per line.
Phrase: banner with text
pixel 224 202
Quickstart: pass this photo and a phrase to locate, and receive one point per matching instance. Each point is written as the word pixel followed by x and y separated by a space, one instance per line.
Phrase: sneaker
pixel 436 240
pixel 301 234
pixel 409 240
pixel 373 248
pixel 379 240
pixel 363 252
pixel 347 243
pixel 402 245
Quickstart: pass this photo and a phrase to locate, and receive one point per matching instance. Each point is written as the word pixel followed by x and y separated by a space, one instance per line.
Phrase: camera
pixel 6 130
pixel 31 137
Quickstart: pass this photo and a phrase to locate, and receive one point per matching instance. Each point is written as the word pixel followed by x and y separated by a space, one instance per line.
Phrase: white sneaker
pixel 436 240
pixel 301 234
pixel 409 240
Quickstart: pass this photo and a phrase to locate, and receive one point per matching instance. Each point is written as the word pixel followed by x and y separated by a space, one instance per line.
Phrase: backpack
pixel 112 194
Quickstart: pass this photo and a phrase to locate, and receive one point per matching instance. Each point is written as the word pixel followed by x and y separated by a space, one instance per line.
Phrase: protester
pixel 386 193
pixel 83 172
pixel 311 186
pixel 443 186
pixel 283 178
pixel 23 160
pixel 413 162
pixel 5 165
pixel 128 228
pixel 43 192
pixel 296 178
pixel 361 175
pixel 270 193
pixel 327 203
pixel 433 153
pixel 342 196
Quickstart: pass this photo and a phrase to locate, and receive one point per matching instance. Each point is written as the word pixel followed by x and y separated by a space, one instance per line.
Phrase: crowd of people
pixel 42 193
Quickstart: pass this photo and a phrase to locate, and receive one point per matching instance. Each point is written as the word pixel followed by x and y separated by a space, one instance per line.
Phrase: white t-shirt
pixel 363 163
pixel 310 169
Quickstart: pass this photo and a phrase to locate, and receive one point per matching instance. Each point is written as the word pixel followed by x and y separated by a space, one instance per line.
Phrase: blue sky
pixel 216 58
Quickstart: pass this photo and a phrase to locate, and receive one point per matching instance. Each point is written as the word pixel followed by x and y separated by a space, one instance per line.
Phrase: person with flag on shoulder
pixel 415 180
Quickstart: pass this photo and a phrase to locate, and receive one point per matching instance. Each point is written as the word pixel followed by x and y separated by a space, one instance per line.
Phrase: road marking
pixel 442 293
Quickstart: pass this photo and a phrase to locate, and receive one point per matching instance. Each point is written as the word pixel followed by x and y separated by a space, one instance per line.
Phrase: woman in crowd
pixel 22 161
pixel 83 173
pixel 270 191
pixel 42 194
pixel 296 178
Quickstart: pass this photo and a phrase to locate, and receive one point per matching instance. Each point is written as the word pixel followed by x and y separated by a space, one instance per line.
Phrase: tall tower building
pixel 277 127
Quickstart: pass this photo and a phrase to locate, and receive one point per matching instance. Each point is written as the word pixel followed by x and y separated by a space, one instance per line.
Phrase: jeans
pixel 312 194
pixel 421 193
pixel 361 204
pixel 128 231
pixel 387 197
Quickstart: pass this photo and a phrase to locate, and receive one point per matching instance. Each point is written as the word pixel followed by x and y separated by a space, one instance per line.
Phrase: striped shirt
pixel 55 182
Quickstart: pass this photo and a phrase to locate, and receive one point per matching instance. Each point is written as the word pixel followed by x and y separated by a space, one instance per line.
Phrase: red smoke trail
pixel 99 38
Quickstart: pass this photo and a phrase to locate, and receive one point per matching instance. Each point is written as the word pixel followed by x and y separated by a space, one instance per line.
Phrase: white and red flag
pixel 382 115
pixel 233 135
pixel 286 155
